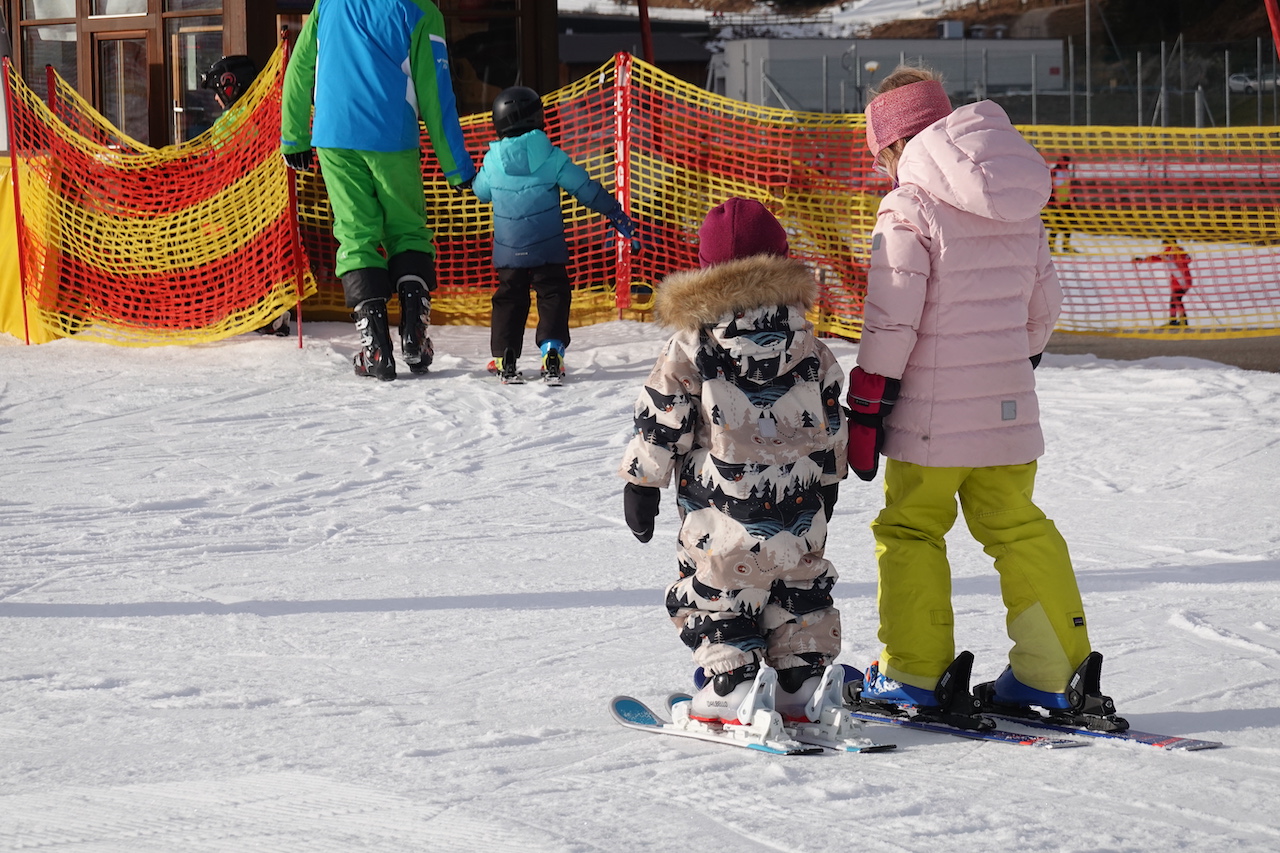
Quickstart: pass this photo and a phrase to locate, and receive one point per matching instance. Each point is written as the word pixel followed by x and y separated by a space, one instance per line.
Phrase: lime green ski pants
pixel 1045 617
pixel 377 200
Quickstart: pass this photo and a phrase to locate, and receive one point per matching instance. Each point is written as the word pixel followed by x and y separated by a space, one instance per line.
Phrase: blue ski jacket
pixel 373 68
pixel 522 176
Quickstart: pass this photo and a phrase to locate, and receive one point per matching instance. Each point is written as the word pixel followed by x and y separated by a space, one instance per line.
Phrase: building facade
pixel 139 62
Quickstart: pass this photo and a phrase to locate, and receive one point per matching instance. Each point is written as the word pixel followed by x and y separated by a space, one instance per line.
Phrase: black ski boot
pixel 374 358
pixel 415 276
pixel 508 373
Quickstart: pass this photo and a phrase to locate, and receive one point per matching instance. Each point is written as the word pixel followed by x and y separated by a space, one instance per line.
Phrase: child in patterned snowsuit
pixel 743 406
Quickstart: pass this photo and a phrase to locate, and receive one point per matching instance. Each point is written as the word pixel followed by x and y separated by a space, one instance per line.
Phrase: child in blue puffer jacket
pixel 522 176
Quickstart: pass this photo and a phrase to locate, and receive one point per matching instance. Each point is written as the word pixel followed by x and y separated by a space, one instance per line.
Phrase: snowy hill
pixel 249 602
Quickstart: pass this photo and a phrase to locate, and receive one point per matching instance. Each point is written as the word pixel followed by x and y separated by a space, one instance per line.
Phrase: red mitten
pixel 870 398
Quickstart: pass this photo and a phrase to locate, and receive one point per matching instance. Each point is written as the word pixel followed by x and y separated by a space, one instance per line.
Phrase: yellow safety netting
pixel 1148 225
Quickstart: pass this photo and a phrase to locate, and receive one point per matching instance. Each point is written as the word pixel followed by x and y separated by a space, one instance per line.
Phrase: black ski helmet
pixel 229 78
pixel 517 110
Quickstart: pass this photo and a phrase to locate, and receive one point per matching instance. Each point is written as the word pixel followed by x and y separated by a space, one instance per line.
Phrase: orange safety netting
pixel 670 151
pixel 140 246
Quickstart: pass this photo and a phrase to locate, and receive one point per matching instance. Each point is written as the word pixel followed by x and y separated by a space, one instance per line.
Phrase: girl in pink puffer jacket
pixel 962 297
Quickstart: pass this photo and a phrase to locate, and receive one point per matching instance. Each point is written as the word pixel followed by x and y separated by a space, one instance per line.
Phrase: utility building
pixel 834 75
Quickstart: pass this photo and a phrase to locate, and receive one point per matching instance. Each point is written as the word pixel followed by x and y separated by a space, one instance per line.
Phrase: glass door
pixel 193 44
pixel 122 80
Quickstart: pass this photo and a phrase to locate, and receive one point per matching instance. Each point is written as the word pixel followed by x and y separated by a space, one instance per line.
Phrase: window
pixel 192 44
pixel 51 44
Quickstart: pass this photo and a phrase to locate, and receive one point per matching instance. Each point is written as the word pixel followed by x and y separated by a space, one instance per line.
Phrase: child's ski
pixel 996 734
pixel 835 730
pixel 1171 742
pixel 762 735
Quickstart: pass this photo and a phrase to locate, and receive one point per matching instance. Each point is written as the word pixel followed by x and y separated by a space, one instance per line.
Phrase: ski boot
pixel 552 362
pixel 415 320
pixel 374 358
pixel 278 327
pixel 508 373
pixel 949 702
pixel 798 690
pixel 1081 704
pixel 733 696
pixel 810 701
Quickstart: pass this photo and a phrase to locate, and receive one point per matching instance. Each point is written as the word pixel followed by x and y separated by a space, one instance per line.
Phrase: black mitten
pixel 640 508
pixel 301 161
pixel 830 494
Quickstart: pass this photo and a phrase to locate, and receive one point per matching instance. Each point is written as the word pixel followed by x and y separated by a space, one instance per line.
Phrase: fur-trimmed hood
pixel 694 299
pixel 747 316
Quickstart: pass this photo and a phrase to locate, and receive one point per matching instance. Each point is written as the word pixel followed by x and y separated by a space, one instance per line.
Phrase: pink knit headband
pixel 904 111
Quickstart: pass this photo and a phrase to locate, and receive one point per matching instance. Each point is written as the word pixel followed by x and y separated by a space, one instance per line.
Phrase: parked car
pixel 1248 83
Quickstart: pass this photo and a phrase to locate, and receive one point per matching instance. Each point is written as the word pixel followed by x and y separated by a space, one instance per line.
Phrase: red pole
pixel 299 271
pixel 1273 12
pixel 646 34
pixel 622 171
pixel 17 197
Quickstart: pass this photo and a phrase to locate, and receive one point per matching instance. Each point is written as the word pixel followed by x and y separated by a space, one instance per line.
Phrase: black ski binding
pixel 1089 708
pixel 957 706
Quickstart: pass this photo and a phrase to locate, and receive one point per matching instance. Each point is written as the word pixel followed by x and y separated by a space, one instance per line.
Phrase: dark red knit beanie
pixel 740 228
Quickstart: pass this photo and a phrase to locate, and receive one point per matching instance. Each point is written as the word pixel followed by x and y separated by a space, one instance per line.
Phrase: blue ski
pixel 1172 742
pixel 998 735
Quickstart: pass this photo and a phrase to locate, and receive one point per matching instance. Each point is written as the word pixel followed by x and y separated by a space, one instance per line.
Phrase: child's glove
pixel 1035 360
pixel 624 226
pixel 301 161
pixel 870 398
pixel 464 186
pixel 640 508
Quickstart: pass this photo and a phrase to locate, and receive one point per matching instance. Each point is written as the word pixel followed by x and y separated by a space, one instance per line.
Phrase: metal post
pixel 1035 90
pixel 1164 85
pixel 1273 82
pixel 1088 62
pixel 985 85
pixel 1141 119
pixel 1071 78
pixel 1226 84
pixel 824 83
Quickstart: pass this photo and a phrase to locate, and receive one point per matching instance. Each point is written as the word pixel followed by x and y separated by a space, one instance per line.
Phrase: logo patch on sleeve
pixel 1008 410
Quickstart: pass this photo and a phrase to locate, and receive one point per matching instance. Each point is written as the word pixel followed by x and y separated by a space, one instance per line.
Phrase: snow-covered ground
pixel 249 602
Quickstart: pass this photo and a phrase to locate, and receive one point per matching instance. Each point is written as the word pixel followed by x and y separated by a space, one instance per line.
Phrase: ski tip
pixel 632 712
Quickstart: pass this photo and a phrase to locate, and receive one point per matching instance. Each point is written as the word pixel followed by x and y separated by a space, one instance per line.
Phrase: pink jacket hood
pixel 975 160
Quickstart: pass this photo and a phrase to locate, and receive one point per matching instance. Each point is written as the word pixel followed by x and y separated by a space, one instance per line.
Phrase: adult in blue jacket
pixel 522 175
pixel 373 69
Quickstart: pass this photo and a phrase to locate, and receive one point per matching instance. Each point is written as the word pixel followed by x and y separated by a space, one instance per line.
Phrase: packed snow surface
pixel 251 602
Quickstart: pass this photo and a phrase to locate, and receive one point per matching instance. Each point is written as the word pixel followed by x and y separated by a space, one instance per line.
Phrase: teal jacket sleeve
pixel 437 107
pixel 298 89
pixel 589 192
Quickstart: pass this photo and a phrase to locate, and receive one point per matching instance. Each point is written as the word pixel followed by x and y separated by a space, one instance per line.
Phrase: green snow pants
pixel 377 200
pixel 1045 616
